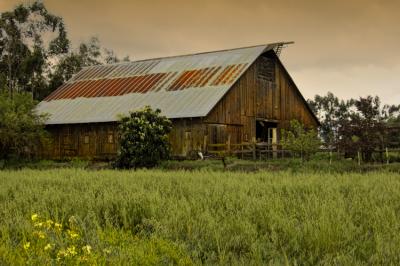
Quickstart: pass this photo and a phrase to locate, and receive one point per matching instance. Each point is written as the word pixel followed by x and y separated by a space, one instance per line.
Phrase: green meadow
pixel 177 217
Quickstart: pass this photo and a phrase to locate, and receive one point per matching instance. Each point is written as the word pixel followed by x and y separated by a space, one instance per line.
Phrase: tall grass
pixel 179 217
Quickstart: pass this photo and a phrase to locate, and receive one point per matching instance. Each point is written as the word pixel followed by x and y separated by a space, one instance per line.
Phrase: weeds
pixel 205 217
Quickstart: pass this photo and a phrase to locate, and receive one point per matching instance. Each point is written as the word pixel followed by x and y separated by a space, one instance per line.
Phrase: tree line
pixel 355 126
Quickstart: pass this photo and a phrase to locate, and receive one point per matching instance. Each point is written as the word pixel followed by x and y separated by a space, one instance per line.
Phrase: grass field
pixel 199 217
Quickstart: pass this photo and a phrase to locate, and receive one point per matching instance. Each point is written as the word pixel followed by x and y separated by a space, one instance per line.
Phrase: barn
pixel 241 94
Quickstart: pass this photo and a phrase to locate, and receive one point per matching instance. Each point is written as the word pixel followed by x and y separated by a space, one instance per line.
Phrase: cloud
pixel 351 82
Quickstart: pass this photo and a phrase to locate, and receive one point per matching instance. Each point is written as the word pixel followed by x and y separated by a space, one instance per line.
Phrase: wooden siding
pixel 187 135
pixel 97 140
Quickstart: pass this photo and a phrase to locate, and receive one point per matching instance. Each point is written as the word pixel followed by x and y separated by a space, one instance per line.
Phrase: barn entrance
pixel 266 131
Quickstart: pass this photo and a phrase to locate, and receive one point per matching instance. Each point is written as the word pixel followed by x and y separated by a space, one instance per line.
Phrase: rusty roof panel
pixel 231 73
pixel 210 75
pixel 203 76
pixel 130 87
pixel 143 84
pixel 104 88
pixel 237 74
pixel 197 73
pixel 56 92
pixel 91 89
pixel 81 89
pixel 181 86
pixel 170 78
pixel 222 75
pixel 118 85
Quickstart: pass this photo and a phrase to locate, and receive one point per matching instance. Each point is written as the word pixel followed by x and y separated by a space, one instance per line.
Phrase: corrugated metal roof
pixel 181 86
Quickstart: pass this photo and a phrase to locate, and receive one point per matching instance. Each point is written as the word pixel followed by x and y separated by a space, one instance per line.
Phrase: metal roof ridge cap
pixel 198 53
pixel 267 47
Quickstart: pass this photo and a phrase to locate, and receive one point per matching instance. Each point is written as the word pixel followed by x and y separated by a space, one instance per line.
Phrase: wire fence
pixel 265 151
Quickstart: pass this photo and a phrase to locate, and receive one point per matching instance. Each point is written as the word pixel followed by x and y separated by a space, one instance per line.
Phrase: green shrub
pixel 21 128
pixel 299 140
pixel 144 139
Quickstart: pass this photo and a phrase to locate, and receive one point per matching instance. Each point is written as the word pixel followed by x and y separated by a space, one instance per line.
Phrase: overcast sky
pixel 349 47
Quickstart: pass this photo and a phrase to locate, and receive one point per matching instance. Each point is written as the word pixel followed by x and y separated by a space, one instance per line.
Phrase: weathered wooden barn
pixel 240 94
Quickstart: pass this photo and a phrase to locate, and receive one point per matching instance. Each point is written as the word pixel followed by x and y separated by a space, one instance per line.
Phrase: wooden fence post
pixel 228 145
pixel 274 143
pixel 205 144
pixel 254 147
pixel 387 156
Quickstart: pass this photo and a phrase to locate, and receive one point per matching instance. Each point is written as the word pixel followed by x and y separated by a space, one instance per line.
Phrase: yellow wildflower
pixel 49 223
pixel 47 247
pixel 61 254
pixel 34 217
pixel 72 251
pixel 39 234
pixel 38 224
pixel 57 226
pixel 27 245
pixel 87 249
pixel 72 234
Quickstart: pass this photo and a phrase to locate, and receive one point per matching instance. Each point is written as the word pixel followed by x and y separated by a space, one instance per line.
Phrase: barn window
pixel 86 139
pixel 66 136
pixel 266 69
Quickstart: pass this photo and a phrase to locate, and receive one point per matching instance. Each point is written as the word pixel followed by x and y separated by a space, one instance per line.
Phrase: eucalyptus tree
pixel 31 40
pixel 36 55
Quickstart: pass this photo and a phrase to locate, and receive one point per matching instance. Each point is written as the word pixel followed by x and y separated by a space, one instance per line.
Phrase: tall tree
pixel 364 131
pixel 36 55
pixel 392 115
pixel 332 113
pixel 30 39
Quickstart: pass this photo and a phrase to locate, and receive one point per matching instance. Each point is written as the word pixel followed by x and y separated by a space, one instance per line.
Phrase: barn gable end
pixel 266 92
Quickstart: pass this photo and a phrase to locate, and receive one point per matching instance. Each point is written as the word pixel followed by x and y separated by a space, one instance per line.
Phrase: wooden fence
pixel 248 150
pixel 264 151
